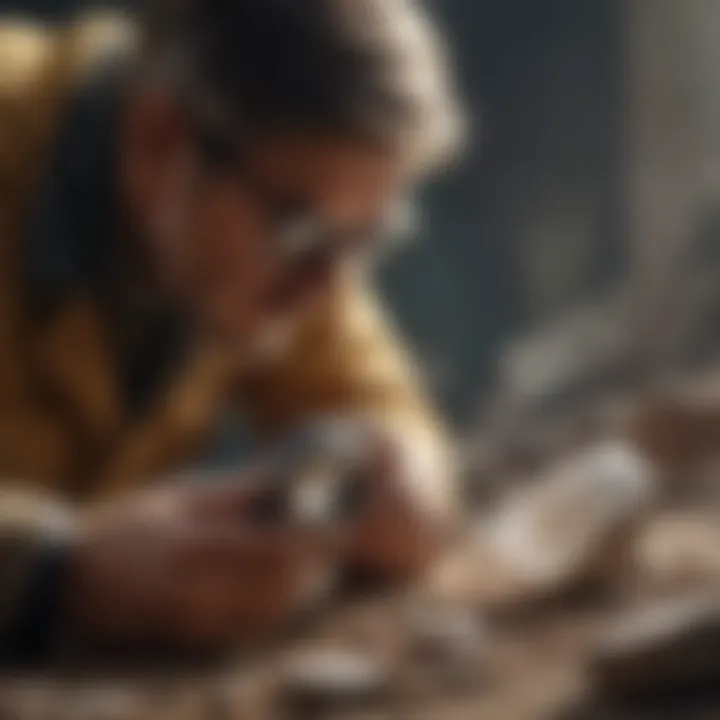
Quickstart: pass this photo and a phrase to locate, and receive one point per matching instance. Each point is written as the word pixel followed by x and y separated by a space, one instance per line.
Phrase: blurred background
pixel 576 250
pixel 594 175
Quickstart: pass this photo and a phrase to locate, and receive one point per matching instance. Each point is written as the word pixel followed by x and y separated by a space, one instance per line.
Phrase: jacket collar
pixel 69 264
pixel 68 255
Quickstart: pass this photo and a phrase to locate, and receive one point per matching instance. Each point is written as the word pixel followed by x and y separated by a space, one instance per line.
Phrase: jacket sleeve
pixel 39 445
pixel 350 361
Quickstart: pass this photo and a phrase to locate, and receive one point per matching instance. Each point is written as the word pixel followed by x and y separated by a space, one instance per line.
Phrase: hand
pixel 398 531
pixel 180 565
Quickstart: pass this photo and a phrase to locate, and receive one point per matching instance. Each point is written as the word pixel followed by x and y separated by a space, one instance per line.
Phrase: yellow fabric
pixel 61 426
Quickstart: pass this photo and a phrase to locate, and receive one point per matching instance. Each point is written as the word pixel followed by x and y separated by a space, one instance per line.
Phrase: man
pixel 189 206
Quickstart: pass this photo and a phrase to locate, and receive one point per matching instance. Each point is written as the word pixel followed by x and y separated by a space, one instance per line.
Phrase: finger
pixel 241 544
pixel 238 577
pixel 203 609
pixel 226 499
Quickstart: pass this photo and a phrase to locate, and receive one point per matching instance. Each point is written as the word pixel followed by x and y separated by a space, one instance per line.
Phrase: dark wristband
pixel 33 633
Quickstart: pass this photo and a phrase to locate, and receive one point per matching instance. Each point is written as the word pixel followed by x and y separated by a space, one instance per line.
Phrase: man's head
pixel 267 143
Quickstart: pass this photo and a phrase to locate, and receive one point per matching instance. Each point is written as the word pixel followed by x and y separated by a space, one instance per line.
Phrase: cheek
pixel 226 251
pixel 231 273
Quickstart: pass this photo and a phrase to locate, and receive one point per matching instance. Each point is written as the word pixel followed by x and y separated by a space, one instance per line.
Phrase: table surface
pixel 537 671
pixel 537 667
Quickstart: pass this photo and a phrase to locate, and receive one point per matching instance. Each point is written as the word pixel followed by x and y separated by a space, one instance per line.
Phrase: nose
pixel 306 283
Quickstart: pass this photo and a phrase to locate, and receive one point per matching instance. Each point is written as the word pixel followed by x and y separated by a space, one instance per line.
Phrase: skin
pixel 179 565
pixel 208 242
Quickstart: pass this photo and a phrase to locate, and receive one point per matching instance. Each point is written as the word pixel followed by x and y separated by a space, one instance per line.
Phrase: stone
pixel 667 646
pixel 30 700
pixel 448 647
pixel 316 478
pixel 247 691
pixel 108 703
pixel 574 525
pixel 576 521
pixel 680 551
pixel 323 679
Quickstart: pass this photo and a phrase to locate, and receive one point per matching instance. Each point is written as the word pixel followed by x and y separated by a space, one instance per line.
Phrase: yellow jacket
pixel 62 426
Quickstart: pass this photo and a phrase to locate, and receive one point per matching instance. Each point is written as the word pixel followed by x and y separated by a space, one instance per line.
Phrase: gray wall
pixel 531 222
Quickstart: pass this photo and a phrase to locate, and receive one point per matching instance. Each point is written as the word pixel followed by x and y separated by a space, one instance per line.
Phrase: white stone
pixel 333 675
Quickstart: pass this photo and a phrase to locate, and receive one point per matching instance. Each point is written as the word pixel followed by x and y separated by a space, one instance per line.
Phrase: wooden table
pixel 537 672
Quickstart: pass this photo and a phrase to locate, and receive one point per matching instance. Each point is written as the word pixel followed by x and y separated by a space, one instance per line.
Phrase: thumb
pixel 227 498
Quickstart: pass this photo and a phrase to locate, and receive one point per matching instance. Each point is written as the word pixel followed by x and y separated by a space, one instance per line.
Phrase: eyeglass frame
pixel 326 248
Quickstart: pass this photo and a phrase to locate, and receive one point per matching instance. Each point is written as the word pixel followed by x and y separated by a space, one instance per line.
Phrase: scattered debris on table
pixel 661 648
pixel 583 583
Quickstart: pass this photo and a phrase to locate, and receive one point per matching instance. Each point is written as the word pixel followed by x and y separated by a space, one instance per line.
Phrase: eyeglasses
pixel 304 242
pixel 302 239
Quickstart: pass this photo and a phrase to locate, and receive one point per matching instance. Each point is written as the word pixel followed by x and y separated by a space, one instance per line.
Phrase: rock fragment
pixel 680 551
pixel 448 646
pixel 325 679
pixel 574 525
pixel 658 649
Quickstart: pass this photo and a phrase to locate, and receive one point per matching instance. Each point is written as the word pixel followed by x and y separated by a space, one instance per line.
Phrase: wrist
pixel 34 632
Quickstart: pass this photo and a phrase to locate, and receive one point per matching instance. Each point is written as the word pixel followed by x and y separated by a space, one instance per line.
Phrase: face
pixel 249 247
